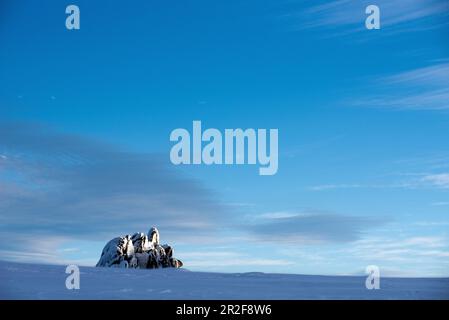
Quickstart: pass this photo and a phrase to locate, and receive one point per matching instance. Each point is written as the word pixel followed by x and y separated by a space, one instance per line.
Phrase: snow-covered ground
pixel 32 281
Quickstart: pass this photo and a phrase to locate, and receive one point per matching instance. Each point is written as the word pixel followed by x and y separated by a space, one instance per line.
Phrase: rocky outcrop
pixel 138 251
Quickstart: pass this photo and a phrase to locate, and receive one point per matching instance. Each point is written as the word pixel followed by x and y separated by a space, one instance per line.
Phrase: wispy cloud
pixel 439 180
pixel 311 228
pixel 334 186
pixel 406 248
pixel 347 16
pixel 434 75
pixel 396 185
pixel 440 203
pixel 46 249
pixel 409 249
pixel 424 88
pixel 280 215
pixel 411 181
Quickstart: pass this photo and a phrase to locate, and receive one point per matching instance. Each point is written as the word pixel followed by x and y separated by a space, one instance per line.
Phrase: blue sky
pixel 85 119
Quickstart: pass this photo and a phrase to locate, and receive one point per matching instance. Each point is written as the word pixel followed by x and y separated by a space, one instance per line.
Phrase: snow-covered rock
pixel 118 252
pixel 138 251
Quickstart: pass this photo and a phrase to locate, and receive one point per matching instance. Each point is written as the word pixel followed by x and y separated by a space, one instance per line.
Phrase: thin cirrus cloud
pixel 413 181
pixel 440 204
pixel 410 249
pixel 440 180
pixel 423 88
pixel 347 16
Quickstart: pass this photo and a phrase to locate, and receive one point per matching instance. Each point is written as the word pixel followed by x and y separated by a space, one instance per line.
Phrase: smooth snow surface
pixel 33 281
